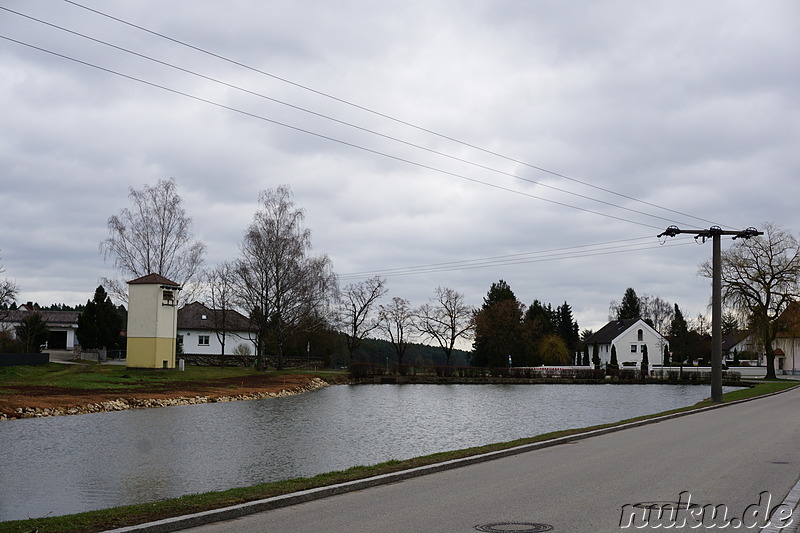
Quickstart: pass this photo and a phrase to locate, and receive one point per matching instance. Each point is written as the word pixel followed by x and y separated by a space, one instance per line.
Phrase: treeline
pixel 507 333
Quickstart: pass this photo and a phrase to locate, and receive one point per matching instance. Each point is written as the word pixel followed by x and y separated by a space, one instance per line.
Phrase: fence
pixel 572 373
pixel 19 359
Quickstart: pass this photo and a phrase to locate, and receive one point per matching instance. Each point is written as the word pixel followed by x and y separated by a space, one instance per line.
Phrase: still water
pixel 69 464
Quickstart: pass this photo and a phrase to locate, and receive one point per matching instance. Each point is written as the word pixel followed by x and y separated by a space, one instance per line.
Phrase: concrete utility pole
pixel 715 233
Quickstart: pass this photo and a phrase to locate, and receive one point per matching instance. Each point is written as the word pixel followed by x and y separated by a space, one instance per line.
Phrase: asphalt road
pixel 727 456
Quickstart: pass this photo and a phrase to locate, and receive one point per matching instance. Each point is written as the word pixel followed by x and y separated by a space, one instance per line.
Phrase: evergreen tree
pixel 679 336
pixel 539 322
pixel 100 323
pixel 567 327
pixel 585 355
pixel 32 333
pixel 498 292
pixel 645 362
pixel 498 328
pixel 613 364
pixel 596 355
pixel 630 306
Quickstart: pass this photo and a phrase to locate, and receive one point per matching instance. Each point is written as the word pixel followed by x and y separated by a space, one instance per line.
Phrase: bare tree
pixel 355 316
pixel 446 319
pixel 761 278
pixel 8 294
pixel 284 289
pixel 220 298
pixel 397 322
pixel 153 236
pixel 659 312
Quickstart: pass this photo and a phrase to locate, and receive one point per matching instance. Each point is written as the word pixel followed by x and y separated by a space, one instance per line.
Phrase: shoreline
pixel 122 404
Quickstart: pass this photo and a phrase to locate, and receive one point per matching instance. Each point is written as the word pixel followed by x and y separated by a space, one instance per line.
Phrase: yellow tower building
pixel 152 322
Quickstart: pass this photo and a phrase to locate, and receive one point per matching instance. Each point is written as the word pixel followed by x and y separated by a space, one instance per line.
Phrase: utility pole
pixel 715 233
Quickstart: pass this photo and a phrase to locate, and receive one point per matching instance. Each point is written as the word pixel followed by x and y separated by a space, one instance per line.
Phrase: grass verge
pixel 119 378
pixel 96 521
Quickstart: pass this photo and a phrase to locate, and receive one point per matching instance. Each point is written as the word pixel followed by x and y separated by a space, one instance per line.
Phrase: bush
pixel 8 343
pixel 364 370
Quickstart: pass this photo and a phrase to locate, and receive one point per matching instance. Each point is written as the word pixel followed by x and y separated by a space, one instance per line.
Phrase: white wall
pixel 650 338
pixel 191 338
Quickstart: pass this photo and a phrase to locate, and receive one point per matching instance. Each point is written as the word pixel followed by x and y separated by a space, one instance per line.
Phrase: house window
pixel 202 340
pixel 640 335
pixel 633 348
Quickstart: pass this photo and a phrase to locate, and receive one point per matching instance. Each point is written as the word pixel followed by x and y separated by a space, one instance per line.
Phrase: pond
pixel 70 464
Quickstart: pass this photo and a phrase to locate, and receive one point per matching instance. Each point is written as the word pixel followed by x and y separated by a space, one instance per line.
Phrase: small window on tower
pixel 168 298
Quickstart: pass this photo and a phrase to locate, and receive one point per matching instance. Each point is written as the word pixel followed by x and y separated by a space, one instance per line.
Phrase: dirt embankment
pixel 25 401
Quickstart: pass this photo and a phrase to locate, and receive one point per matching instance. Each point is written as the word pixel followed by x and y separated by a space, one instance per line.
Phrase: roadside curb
pixel 236 511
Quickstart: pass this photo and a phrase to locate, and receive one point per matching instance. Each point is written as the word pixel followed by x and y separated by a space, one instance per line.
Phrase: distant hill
pixel 379 351
pixel 330 349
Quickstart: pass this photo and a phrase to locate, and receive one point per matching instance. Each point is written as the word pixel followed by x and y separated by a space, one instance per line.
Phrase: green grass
pixel 113 377
pixel 94 521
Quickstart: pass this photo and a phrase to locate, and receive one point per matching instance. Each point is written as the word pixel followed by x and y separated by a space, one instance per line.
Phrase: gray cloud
pixel 682 105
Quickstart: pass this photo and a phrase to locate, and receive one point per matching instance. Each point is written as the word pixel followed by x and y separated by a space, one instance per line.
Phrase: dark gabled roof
pixel 610 331
pixel 153 279
pixel 731 339
pixel 789 321
pixel 51 318
pixel 190 316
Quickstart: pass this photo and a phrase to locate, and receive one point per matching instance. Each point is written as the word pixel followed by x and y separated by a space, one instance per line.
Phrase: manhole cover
pixel 514 527
pixel 666 505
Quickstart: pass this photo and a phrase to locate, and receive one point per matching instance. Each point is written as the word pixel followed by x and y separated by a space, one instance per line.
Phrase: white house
pixel 786 345
pixel 631 337
pixel 63 325
pixel 200 330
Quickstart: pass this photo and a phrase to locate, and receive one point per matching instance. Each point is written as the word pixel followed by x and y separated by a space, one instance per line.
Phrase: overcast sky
pixel 545 143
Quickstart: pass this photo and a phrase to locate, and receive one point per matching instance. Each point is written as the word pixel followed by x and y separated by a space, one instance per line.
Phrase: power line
pixel 472 264
pixel 333 119
pixel 380 114
pixel 326 137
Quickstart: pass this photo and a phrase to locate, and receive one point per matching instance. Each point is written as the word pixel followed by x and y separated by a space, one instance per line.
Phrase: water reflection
pixel 70 464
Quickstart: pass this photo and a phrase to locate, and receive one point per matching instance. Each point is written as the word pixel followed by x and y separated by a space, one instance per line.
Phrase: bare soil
pixel 22 396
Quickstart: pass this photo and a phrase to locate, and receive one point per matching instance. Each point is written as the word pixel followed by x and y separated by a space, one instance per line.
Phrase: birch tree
pixel 220 299
pixel 285 289
pixel 153 235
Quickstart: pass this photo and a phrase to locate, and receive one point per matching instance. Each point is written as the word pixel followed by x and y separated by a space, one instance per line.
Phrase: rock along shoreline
pixel 122 404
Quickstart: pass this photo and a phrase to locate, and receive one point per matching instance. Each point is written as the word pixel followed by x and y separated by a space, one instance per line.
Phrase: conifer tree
pixel 596 356
pixel 100 323
pixel 645 362
pixel 679 336
pixel 613 364
pixel 630 306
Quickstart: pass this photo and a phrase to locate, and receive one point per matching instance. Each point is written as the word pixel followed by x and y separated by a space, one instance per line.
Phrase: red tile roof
pixel 153 279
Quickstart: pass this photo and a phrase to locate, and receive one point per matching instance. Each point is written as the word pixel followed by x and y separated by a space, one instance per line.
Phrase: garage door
pixel 58 340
